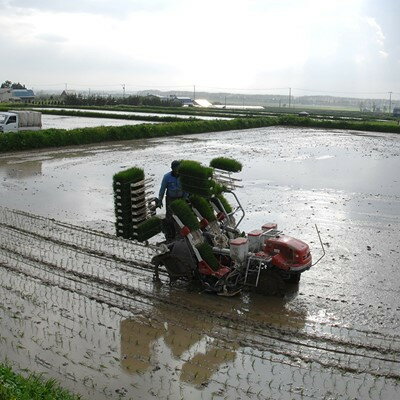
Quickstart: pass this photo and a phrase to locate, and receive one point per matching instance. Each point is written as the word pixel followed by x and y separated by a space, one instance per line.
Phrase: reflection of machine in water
pixel 187 342
pixel 24 169
pixel 193 352
pixel 136 340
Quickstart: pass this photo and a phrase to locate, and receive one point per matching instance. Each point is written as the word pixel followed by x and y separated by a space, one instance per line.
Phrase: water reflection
pixel 144 346
pixel 21 170
pixel 195 347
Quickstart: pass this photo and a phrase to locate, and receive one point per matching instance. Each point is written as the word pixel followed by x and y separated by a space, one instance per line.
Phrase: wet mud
pixel 80 305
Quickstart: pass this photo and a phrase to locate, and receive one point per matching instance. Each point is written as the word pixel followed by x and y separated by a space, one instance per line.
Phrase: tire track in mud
pixel 100 275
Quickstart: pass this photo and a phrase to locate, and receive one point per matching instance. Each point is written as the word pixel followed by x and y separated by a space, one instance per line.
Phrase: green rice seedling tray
pixel 208 256
pixel 183 211
pixel 203 207
pixel 148 229
pixel 224 201
pixel 194 169
pixel 128 176
pixel 226 164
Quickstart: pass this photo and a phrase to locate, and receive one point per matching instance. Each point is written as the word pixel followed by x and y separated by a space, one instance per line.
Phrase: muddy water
pixel 76 306
pixel 138 113
pixel 67 122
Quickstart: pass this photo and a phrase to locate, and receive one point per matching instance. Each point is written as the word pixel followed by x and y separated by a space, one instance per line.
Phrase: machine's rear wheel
pixel 295 278
pixel 270 283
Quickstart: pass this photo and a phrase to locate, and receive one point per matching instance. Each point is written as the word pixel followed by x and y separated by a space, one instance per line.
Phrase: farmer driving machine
pixel 208 246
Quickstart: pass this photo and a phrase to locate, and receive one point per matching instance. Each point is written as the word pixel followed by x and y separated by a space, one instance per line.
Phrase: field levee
pixel 61 137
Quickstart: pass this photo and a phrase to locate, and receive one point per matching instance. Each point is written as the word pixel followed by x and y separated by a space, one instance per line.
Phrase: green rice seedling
pixel 148 229
pixel 183 211
pixel 195 170
pixel 203 207
pixel 205 190
pixel 224 201
pixel 226 164
pixel 217 188
pixel 130 175
pixel 208 256
pixel 196 178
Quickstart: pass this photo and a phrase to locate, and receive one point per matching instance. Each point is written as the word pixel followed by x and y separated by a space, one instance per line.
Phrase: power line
pixel 337 92
pixel 203 88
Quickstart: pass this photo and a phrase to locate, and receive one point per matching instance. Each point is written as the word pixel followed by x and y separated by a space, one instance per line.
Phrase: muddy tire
pixel 270 283
pixel 294 279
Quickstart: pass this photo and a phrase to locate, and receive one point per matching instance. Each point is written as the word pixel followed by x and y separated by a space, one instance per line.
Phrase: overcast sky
pixel 337 47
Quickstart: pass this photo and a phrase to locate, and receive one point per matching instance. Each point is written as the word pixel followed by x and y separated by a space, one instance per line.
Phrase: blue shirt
pixel 172 185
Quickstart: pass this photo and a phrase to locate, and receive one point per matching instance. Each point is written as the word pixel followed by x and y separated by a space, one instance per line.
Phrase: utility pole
pixel 290 95
pixel 123 89
pixel 390 102
pixel 66 87
pixel 194 92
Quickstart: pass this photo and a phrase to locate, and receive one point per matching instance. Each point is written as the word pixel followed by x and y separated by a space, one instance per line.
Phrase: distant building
pixel 202 103
pixel 396 112
pixel 16 95
pixel 5 95
pixel 66 93
pixel 185 101
pixel 25 95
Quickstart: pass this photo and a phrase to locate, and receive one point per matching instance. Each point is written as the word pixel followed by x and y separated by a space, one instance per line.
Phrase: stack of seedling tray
pixel 128 208
pixel 131 208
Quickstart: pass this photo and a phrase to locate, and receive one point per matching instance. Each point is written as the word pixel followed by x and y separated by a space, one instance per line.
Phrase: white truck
pixel 15 121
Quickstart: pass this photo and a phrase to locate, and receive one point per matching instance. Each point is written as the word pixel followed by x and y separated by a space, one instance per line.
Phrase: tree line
pixel 96 100
pixel 12 85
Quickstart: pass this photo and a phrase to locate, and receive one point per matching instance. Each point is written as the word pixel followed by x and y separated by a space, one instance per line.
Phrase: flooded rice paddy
pixel 67 122
pixel 149 114
pixel 80 305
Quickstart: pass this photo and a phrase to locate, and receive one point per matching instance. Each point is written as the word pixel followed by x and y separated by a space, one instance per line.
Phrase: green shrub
pixel 226 164
pixel 183 211
pixel 60 137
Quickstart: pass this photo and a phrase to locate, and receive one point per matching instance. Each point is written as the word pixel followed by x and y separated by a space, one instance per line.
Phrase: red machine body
pixel 288 253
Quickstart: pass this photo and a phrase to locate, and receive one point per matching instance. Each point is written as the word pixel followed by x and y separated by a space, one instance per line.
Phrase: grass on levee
pixel 16 387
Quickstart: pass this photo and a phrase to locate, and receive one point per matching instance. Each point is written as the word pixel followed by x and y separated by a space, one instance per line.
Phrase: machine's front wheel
pixel 270 283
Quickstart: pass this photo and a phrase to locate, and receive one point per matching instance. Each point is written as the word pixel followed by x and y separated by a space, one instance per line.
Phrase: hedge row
pixel 61 137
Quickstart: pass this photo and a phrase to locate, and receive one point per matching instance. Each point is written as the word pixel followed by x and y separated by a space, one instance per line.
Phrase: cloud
pixel 48 37
pixel 236 43
pixel 380 37
pixel 102 7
